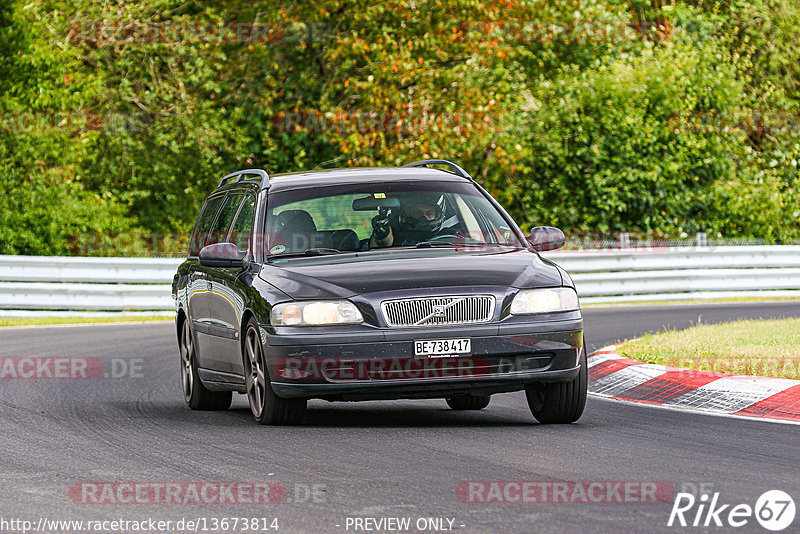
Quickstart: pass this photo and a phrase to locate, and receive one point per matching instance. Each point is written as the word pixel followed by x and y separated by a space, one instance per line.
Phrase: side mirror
pixel 544 238
pixel 222 255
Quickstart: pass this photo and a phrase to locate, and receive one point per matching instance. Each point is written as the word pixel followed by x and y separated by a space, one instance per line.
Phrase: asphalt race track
pixel 400 459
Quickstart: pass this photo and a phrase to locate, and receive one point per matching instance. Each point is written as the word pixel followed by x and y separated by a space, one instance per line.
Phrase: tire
pixel 195 394
pixel 469 402
pixel 559 402
pixel 267 408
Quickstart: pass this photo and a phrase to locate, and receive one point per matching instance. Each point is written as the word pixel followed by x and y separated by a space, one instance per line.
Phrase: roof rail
pixel 455 168
pixel 239 175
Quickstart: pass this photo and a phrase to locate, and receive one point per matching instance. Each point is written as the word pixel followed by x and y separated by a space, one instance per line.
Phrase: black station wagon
pixel 373 283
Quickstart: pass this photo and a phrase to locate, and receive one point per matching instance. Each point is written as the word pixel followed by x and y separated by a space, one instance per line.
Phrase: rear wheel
pixel 469 402
pixel 196 395
pixel 266 406
pixel 559 402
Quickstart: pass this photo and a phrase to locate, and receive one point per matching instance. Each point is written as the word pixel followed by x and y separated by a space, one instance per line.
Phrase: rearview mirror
pixel 372 203
pixel 222 255
pixel 544 238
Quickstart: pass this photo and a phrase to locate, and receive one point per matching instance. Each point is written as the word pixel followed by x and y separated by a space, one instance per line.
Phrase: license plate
pixel 438 348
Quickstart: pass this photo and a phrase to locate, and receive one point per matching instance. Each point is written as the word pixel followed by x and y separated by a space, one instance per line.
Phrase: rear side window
pixel 240 233
pixel 219 230
pixel 203 225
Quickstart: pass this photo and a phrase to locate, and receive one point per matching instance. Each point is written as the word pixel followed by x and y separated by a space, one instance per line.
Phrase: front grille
pixel 434 311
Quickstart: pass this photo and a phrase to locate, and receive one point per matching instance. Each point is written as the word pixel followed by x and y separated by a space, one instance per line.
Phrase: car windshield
pixel 370 216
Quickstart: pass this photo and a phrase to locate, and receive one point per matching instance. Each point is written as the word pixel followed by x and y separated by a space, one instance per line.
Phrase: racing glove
pixel 380 226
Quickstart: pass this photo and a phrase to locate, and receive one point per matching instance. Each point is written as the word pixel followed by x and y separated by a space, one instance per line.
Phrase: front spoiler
pixel 422 388
pixel 504 358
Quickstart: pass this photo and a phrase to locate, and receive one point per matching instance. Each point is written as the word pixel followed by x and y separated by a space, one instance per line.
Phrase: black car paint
pixel 233 295
pixel 353 274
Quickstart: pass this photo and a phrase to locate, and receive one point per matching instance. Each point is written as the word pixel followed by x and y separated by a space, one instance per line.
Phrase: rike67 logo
pixel 774 510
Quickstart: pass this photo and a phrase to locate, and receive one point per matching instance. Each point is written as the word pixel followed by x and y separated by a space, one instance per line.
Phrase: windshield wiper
pixel 306 252
pixel 430 244
pixel 465 245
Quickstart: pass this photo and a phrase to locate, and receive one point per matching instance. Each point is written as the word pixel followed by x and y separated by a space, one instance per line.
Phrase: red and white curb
pixel 611 375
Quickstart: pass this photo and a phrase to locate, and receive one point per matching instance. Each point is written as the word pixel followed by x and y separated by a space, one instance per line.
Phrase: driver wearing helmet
pixel 419 218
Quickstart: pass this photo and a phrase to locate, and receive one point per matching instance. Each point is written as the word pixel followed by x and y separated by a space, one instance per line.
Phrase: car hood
pixel 348 275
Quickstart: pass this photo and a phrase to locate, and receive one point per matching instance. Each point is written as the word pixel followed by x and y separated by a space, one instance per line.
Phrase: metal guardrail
pixel 664 274
pixel 55 284
pixel 76 283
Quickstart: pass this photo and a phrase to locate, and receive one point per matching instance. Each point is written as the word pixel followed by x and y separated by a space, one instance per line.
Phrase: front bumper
pixel 380 364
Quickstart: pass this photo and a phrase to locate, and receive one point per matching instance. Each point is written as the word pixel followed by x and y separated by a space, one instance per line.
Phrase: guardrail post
pixel 702 239
pixel 624 240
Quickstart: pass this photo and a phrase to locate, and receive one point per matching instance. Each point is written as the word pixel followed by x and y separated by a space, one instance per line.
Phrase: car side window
pixel 219 230
pixel 490 223
pixel 243 225
pixel 203 225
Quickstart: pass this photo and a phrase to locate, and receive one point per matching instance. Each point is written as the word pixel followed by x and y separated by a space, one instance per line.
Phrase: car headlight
pixel 554 299
pixel 315 312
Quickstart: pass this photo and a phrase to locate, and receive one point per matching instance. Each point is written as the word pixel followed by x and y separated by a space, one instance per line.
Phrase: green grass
pixel 763 348
pixel 26 321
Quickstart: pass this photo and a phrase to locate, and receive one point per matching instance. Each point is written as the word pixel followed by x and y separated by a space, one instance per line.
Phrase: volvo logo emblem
pixel 438 311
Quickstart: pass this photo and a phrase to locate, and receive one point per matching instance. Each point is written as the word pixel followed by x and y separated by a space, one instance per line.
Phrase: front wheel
pixel 266 406
pixel 196 395
pixel 559 402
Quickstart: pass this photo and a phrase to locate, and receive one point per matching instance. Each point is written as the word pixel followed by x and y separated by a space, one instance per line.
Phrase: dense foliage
pixel 662 117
